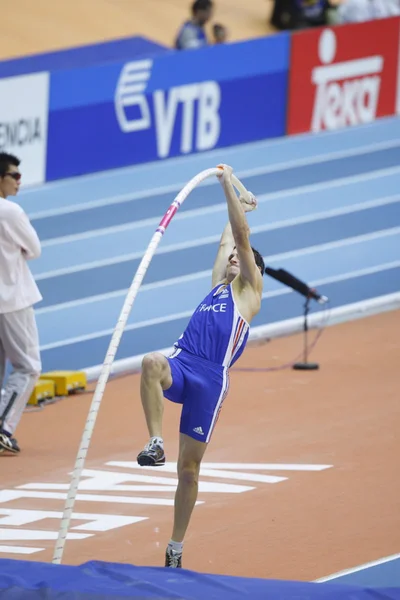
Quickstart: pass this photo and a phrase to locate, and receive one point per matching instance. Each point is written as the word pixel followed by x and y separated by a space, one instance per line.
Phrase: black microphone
pixel 299 286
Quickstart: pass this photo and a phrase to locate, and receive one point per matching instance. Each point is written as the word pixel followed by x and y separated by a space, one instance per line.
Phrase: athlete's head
pixel 10 177
pixel 202 11
pixel 233 266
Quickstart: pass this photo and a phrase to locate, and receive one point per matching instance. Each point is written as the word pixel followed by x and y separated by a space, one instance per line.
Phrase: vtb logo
pixel 200 103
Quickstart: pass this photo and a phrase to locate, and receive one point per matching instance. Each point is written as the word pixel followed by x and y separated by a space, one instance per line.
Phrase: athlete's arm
pixel 226 245
pixel 249 272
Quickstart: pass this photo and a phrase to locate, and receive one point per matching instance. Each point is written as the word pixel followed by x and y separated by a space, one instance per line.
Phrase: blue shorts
pixel 201 387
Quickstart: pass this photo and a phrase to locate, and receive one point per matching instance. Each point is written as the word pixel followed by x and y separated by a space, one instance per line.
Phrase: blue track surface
pixel 329 210
pixel 381 574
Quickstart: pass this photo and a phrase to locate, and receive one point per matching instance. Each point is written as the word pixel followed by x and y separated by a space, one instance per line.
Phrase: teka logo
pixel 343 76
pixel 346 92
pixel 199 103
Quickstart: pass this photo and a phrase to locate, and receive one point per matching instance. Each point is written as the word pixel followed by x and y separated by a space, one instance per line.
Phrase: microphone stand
pixel 305 365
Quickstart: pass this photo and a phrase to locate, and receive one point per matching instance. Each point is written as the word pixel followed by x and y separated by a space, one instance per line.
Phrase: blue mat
pixel 22 580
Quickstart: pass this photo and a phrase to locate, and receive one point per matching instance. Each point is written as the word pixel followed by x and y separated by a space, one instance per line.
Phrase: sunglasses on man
pixel 16 176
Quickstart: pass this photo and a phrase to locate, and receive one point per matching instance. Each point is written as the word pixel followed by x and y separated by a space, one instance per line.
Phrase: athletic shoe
pixel 152 455
pixel 173 559
pixel 9 444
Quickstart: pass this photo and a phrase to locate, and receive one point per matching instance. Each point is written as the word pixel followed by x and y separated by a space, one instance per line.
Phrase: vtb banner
pixel 174 104
pixel 343 76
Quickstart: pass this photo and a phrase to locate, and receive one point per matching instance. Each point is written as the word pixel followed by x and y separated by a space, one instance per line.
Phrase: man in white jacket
pixel 19 340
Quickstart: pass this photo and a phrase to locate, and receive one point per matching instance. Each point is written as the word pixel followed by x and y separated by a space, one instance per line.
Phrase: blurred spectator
pixel 192 33
pixel 356 11
pixel 300 14
pixel 220 33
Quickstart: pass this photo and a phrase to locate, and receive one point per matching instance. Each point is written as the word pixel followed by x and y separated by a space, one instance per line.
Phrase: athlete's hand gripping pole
pixel 247 199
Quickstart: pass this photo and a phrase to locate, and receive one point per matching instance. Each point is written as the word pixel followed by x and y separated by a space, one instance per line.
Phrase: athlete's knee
pixel 154 366
pixel 188 471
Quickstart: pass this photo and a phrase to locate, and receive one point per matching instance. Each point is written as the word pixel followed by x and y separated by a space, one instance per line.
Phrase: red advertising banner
pixel 343 76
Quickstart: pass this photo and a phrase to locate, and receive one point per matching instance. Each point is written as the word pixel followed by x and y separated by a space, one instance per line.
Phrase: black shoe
pixel 173 559
pixel 9 444
pixel 152 455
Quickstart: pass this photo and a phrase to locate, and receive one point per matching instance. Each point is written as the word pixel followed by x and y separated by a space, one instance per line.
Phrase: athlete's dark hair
pixel 6 160
pixel 259 260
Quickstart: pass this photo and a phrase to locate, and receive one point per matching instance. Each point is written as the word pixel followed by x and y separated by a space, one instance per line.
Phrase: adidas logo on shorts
pixel 198 430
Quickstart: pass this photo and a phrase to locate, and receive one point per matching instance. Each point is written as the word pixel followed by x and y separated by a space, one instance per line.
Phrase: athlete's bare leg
pixel 156 377
pixel 191 453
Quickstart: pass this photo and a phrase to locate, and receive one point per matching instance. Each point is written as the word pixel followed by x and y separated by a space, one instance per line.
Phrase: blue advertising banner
pixel 92 54
pixel 174 104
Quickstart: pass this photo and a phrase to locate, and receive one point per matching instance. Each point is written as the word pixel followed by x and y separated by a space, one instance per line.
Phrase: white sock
pixel 157 440
pixel 176 546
